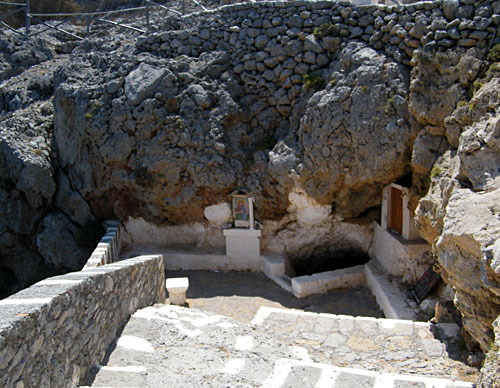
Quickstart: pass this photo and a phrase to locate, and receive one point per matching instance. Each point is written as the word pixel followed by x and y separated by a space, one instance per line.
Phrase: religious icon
pixel 240 211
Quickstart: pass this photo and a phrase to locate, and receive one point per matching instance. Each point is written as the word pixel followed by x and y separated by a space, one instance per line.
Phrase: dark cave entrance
pixel 8 282
pixel 329 260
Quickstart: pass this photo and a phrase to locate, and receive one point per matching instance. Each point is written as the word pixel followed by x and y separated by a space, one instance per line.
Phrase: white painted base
pixel 326 281
pixel 243 248
pixel 401 258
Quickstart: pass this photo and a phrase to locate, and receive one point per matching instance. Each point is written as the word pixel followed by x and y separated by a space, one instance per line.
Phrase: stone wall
pixel 108 249
pixel 275 36
pixel 53 333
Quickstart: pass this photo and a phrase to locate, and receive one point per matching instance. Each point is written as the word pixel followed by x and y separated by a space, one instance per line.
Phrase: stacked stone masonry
pixel 273 45
pixel 108 249
pixel 53 333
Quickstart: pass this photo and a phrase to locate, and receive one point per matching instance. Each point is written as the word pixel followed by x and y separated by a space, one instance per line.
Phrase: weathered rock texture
pixel 311 106
pixel 46 226
pixel 460 213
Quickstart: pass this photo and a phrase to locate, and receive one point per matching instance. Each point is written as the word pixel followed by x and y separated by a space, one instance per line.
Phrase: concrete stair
pixel 173 346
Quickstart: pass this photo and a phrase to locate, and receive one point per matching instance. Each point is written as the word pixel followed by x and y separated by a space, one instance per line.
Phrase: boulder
pixel 141 82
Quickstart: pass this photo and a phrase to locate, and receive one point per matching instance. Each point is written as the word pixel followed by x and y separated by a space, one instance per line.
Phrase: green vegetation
pixel 389 106
pixel 462 103
pixel 436 172
pixel 89 234
pixel 426 59
pixel 313 80
pixel 476 86
pixel 493 71
pixel 364 89
pixel 325 30
pixel 16 20
pixel 179 123
pixel 144 178
pixel 94 109
pixel 494 54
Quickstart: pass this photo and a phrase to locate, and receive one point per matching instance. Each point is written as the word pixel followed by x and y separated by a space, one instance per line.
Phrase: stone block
pixel 177 288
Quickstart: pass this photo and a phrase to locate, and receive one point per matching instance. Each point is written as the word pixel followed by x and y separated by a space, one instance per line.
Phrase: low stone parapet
pixel 108 249
pixel 54 332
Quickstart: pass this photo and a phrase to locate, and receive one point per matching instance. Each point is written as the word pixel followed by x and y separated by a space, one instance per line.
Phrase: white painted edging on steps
pixel 283 367
pixel 387 323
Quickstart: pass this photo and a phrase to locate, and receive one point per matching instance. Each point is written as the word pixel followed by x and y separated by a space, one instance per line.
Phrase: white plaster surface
pixel 274 265
pixel 218 214
pixel 389 296
pixel 194 234
pixel 243 248
pixel 325 281
pixel 309 212
pixel 403 259
pixel 135 343
pixel 177 284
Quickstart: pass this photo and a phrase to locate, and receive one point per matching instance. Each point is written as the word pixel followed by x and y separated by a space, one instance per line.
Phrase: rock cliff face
pixel 45 224
pixel 312 107
pixel 459 214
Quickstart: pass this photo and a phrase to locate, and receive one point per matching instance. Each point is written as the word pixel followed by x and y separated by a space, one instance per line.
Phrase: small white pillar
pixel 250 209
pixel 177 288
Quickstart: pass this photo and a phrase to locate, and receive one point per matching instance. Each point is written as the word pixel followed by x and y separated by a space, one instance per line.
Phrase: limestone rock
pixel 438 81
pixel 141 82
pixel 460 213
pixel 56 241
pixel 348 123
pixel 71 202
pixel 490 372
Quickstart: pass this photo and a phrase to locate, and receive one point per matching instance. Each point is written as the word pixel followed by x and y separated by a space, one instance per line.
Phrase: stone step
pixel 292 373
pixel 179 347
pixel 298 374
pixel 130 376
pixel 380 344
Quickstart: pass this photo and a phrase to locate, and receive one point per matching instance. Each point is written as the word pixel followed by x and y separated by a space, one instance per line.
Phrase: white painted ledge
pixel 326 281
pixel 235 232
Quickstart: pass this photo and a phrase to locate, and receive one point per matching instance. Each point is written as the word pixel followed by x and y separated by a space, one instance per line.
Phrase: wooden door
pixel 396 210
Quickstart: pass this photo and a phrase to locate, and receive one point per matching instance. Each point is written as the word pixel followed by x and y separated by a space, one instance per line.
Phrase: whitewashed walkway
pixel 170 346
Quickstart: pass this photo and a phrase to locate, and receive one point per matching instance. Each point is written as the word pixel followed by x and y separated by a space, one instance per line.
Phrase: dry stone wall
pixel 275 36
pixel 53 333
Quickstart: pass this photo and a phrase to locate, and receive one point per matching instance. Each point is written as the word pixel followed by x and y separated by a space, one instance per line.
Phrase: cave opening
pixel 329 260
pixel 8 282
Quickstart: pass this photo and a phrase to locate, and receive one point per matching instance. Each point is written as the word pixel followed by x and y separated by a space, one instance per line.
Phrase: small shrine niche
pixel 243 240
pixel 395 213
pixel 242 208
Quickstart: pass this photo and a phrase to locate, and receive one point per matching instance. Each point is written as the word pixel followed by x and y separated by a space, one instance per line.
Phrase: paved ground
pixel 174 346
pixel 178 347
pixel 239 295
